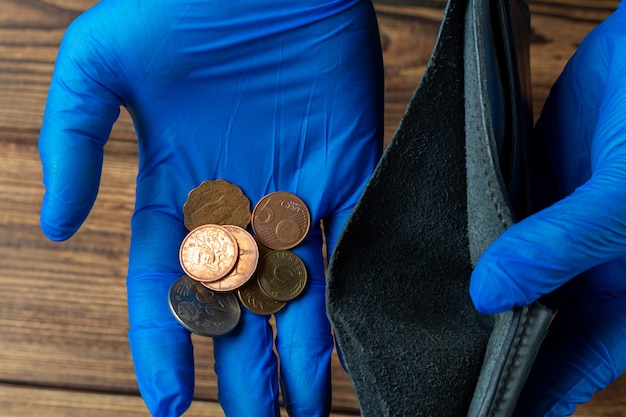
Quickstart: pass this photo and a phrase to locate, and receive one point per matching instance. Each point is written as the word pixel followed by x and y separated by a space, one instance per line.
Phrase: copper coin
pixel 246 262
pixel 216 202
pixel 282 275
pixel 263 250
pixel 256 301
pixel 281 220
pixel 201 310
pixel 208 253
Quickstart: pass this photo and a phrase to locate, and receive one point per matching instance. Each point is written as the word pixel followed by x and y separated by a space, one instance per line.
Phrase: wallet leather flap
pixel 398 297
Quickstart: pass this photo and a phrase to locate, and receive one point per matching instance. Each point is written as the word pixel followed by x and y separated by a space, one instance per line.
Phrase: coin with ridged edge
pixel 246 263
pixel 216 202
pixel 282 275
pixel 281 220
pixel 208 253
pixel 256 301
pixel 202 311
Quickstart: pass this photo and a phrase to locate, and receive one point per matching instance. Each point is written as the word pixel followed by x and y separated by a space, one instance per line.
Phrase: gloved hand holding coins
pixel 219 256
pixel 267 95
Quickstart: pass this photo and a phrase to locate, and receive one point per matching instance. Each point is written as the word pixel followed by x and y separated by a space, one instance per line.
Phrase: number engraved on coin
pixel 216 202
pixel 281 220
pixel 282 275
pixel 208 252
pixel 246 263
pixel 256 301
pixel 201 310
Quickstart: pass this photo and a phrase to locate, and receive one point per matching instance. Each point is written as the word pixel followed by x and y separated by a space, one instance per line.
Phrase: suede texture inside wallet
pixel 453 178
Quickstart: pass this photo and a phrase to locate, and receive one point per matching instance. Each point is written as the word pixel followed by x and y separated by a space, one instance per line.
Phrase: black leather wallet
pixel 453 178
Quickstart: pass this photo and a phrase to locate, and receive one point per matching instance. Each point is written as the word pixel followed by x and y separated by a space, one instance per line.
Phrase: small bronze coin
pixel 216 202
pixel 246 263
pixel 201 310
pixel 256 301
pixel 208 253
pixel 263 250
pixel 282 275
pixel 281 220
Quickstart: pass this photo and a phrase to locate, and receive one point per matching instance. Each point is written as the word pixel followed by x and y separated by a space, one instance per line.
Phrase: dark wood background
pixel 63 320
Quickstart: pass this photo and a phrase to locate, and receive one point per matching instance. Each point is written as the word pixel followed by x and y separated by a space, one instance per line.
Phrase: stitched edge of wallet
pixel 499 387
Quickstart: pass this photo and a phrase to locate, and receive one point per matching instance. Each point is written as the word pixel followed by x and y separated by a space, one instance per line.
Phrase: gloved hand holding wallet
pixel 572 254
pixel 270 96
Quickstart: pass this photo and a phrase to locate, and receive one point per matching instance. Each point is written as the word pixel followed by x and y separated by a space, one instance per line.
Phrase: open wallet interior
pixel 453 178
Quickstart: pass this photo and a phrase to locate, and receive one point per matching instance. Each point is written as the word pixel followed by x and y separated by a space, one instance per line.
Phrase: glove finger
pixel 245 362
pixel 584 352
pixel 161 357
pixel 583 126
pixel 161 348
pixel 305 352
pixel 80 112
pixel 542 252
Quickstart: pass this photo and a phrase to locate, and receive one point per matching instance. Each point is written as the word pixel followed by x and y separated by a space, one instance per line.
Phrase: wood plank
pixel 557 29
pixel 63 314
pixel 28 401
pixel 408 34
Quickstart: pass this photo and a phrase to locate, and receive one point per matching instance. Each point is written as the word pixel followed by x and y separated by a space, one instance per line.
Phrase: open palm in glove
pixel 268 95
pixel 573 253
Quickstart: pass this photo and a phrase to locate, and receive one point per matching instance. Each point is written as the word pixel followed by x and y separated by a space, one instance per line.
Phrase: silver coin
pixel 201 310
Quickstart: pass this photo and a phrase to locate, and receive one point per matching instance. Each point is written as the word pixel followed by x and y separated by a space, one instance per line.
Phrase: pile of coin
pixel 225 263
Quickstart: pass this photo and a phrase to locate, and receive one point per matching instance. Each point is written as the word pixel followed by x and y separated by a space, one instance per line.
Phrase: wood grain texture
pixel 25 401
pixel 63 318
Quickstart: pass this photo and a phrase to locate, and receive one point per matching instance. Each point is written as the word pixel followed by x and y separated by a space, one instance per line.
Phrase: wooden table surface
pixel 63 319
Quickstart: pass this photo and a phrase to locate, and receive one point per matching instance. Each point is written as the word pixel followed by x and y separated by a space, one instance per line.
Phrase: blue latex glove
pixel 574 250
pixel 269 95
